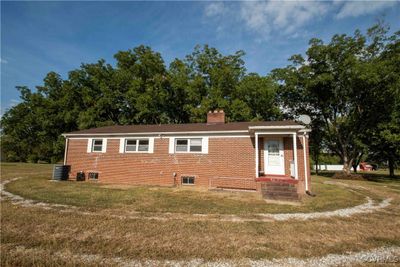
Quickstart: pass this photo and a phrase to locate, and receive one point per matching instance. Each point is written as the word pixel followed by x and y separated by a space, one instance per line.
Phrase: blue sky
pixel 38 37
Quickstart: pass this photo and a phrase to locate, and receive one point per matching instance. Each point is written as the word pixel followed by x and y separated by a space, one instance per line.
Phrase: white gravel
pixel 368 207
pixel 378 255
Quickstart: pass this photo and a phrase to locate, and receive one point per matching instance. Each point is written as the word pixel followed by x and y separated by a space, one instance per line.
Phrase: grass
pixel 31 236
pixel 182 200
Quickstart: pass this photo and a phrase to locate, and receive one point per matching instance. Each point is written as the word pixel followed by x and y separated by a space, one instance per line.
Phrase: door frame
pixel 281 171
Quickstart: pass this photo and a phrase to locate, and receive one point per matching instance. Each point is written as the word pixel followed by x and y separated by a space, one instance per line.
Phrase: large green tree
pixel 384 139
pixel 337 83
pixel 139 89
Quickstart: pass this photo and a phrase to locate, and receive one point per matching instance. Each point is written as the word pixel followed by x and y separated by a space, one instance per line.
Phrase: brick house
pixel 238 155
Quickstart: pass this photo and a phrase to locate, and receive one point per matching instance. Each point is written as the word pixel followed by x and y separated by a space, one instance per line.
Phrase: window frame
pixel 188 177
pixel 137 145
pixel 93 145
pixel 95 173
pixel 189 145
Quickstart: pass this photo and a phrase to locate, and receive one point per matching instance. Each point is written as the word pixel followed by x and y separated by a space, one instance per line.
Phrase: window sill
pixel 183 152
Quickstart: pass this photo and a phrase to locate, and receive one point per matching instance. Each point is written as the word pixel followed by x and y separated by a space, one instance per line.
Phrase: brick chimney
pixel 216 117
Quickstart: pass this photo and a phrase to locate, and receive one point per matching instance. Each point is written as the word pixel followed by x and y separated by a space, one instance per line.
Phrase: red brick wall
pixel 230 162
pixel 227 158
pixel 288 153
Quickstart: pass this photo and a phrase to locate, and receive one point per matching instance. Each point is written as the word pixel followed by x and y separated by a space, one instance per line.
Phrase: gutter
pixel 250 128
pixel 154 133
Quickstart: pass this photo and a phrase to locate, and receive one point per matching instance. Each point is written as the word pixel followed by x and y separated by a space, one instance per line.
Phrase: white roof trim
pixel 305 130
pixel 155 133
pixel 276 127
pixel 250 128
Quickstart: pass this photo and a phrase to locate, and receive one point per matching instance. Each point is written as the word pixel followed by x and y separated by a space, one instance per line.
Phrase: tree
pixel 138 90
pixel 338 85
pixel 384 138
pixel 259 95
pixel 212 78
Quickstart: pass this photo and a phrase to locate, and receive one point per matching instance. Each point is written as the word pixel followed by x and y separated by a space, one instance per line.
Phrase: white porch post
pixel 256 141
pixel 296 171
pixel 305 161
pixel 65 150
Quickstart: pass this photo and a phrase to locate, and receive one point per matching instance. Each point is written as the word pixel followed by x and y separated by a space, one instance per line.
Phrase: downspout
pixel 65 151
pixel 305 166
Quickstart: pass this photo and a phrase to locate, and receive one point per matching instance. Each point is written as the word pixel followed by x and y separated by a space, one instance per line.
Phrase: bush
pixel 32 158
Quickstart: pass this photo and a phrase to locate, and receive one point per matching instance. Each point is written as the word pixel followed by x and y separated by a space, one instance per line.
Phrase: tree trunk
pixel 316 163
pixel 391 167
pixel 357 161
pixel 347 165
pixel 355 168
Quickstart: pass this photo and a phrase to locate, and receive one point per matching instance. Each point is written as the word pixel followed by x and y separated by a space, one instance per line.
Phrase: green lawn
pixel 94 195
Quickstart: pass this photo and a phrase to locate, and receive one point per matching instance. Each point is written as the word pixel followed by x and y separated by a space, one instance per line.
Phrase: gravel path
pixel 368 207
pixel 378 255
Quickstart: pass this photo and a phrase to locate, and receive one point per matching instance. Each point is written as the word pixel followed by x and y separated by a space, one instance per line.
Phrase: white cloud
pixel 286 16
pixel 264 18
pixel 289 18
pixel 215 9
pixel 360 8
pixel 3 61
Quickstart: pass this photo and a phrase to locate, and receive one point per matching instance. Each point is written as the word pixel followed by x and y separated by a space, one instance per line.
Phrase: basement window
pixel 188 180
pixel 97 145
pixel 188 145
pixel 136 145
pixel 93 175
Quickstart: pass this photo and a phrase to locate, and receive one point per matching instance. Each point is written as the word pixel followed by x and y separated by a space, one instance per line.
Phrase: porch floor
pixel 276 178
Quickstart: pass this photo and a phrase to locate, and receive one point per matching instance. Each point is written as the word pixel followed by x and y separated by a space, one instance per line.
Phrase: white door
pixel 273 157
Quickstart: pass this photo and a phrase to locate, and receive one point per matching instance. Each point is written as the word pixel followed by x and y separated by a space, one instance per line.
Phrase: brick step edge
pixel 283 198
pixel 280 194
pixel 279 189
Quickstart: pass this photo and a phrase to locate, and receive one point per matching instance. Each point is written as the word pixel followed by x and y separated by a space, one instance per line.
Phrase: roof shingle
pixel 190 127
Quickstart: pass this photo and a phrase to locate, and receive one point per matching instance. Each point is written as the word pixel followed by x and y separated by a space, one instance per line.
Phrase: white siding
pixel 204 145
pixel 104 146
pixel 151 145
pixel 121 145
pixel 89 145
pixel 171 147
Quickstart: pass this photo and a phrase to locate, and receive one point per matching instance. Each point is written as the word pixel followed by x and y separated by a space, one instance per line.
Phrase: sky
pixel 39 37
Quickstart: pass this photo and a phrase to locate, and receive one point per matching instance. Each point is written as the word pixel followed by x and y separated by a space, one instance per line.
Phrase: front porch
pixel 281 158
pixel 276 155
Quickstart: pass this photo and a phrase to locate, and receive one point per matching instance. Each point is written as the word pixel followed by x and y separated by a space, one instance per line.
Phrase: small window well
pixel 188 180
pixel 93 175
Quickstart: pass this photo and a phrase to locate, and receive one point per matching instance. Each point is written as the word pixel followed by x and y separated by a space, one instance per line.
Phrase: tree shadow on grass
pixel 368 176
pixel 324 174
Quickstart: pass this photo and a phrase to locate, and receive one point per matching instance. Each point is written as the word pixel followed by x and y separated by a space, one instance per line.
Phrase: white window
pixel 188 145
pixel 195 145
pixel 136 145
pixel 97 145
pixel 188 180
